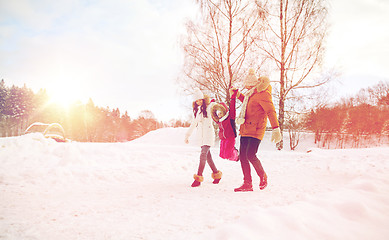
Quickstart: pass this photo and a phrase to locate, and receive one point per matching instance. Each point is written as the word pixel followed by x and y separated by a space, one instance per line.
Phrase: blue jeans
pixel 205 156
pixel 248 150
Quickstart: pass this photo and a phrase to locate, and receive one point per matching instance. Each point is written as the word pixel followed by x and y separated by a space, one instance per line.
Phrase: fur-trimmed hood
pixel 264 83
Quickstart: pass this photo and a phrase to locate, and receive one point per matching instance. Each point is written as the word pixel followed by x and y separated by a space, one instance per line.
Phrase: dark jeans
pixel 248 150
pixel 205 156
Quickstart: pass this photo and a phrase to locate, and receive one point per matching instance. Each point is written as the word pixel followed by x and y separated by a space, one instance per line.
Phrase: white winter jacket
pixel 205 132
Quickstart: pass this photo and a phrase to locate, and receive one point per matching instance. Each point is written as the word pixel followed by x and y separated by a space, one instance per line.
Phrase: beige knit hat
pixel 251 80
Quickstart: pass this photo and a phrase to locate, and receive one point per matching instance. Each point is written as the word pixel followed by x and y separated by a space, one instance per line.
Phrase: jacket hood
pixel 264 83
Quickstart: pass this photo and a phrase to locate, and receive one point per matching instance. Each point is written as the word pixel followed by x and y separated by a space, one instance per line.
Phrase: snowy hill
pixel 141 190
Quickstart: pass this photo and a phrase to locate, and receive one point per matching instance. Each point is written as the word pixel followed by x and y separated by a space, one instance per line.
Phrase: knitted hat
pixel 251 80
pixel 198 94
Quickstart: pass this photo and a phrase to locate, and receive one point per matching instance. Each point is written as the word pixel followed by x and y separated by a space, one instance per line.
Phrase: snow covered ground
pixel 141 190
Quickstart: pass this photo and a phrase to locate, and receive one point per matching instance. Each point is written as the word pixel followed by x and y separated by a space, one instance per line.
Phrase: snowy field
pixel 141 190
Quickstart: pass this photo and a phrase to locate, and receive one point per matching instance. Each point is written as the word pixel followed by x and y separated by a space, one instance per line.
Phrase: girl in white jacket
pixel 202 122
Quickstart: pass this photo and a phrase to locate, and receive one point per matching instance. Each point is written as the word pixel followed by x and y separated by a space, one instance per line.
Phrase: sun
pixel 65 94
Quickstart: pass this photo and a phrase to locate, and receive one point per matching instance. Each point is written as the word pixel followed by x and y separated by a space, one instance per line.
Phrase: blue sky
pixel 126 53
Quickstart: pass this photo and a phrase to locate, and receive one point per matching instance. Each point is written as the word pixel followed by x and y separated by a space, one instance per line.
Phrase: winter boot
pixel 263 183
pixel 197 181
pixel 246 187
pixel 216 177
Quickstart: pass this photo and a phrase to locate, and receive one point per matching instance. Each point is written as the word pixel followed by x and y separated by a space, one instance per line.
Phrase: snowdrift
pixel 141 190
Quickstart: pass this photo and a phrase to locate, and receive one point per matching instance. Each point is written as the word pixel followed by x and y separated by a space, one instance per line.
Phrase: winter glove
pixel 233 91
pixel 276 135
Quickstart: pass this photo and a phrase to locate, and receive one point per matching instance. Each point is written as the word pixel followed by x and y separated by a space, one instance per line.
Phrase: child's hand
pixel 232 90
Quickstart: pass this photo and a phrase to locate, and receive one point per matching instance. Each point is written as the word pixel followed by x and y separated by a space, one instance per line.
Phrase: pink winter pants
pixel 227 149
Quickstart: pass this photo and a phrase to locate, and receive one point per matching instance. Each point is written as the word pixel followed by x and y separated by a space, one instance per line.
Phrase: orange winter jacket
pixel 259 108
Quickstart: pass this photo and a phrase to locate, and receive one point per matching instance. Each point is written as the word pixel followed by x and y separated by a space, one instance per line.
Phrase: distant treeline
pixel 20 107
pixel 357 121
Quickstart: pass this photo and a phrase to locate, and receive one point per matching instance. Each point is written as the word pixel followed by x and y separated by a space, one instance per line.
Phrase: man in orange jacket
pixel 256 109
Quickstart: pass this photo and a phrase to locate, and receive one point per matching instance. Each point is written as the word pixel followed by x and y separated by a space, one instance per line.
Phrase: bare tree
pixel 294 41
pixel 216 48
pixel 294 125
